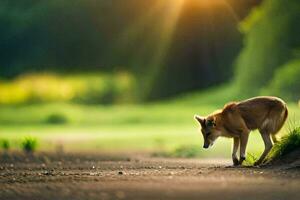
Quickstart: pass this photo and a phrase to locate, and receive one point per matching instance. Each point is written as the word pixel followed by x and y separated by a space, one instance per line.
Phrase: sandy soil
pixel 49 176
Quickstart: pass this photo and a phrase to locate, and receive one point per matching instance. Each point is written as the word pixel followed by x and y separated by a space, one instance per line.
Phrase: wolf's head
pixel 209 130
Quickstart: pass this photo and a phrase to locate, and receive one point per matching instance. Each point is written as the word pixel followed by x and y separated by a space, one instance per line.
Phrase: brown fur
pixel 237 119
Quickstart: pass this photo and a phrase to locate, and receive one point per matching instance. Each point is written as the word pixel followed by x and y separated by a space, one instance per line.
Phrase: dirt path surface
pixel 46 176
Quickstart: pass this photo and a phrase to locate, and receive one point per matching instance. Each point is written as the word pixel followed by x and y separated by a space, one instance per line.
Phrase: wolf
pixel 237 119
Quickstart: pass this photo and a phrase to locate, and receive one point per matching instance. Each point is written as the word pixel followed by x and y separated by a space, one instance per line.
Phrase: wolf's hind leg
pixel 268 146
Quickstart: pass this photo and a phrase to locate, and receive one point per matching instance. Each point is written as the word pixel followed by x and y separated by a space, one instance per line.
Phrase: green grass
pixel 56 118
pixel 29 144
pixel 4 143
pixel 250 159
pixel 287 144
pixel 186 151
pixel 159 127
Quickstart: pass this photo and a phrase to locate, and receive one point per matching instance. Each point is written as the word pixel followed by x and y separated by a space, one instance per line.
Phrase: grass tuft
pixel 29 144
pixel 5 145
pixel 286 145
pixel 250 159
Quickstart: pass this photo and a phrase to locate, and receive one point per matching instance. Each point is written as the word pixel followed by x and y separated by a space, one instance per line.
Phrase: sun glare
pixel 203 3
pixel 169 25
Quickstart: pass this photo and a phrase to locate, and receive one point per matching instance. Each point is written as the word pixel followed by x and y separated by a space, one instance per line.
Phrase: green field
pixel 156 127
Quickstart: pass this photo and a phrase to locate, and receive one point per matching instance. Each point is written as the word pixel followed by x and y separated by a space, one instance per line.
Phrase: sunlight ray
pixel 168 27
pixel 231 11
pixel 140 24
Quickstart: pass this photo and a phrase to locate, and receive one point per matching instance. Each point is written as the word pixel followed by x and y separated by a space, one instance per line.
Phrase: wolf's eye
pixel 210 123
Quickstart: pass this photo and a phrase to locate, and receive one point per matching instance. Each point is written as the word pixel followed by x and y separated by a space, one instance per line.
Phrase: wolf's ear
pixel 200 119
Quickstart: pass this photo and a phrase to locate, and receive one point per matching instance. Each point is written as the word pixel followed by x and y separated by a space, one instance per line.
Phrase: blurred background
pixel 129 75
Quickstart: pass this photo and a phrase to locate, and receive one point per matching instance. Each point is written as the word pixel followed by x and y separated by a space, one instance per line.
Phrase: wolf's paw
pixel 236 162
pixel 242 159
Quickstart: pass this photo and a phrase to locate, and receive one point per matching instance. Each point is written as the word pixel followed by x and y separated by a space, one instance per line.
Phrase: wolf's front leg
pixel 243 146
pixel 236 143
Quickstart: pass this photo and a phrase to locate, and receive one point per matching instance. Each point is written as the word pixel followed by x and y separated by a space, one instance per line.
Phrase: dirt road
pixel 46 176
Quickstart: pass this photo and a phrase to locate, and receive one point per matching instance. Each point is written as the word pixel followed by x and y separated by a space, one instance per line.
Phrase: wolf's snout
pixel 205 146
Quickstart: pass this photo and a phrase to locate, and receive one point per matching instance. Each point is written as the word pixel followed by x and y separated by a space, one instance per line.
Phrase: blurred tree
pixel 286 81
pixel 87 35
pixel 201 53
pixel 271 39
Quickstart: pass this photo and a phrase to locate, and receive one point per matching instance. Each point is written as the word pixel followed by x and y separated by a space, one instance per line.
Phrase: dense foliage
pixel 89 88
pixel 272 42
pixel 286 81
